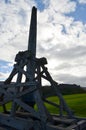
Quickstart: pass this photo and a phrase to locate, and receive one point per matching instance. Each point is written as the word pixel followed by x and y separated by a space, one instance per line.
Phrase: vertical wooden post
pixel 32 44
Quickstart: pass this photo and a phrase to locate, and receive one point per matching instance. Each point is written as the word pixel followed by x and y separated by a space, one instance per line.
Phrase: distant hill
pixel 65 89
pixel 71 89
pixel 84 88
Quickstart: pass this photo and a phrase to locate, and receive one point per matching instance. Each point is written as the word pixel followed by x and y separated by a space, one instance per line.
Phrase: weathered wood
pixel 25 94
pixel 27 108
pixel 1 128
pixel 15 122
pixel 64 120
pixel 32 44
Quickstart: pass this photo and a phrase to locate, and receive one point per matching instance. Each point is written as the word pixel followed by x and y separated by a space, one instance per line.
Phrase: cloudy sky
pixel 61 36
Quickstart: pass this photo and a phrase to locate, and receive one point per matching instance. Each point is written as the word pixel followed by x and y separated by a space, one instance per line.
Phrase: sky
pixel 61 36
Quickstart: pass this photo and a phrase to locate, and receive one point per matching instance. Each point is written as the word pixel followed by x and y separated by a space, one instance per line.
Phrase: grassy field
pixel 77 103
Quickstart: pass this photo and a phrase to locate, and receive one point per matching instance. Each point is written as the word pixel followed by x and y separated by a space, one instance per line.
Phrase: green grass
pixel 8 107
pixel 76 102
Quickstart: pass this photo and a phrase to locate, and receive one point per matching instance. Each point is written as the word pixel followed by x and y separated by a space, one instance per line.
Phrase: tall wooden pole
pixel 32 44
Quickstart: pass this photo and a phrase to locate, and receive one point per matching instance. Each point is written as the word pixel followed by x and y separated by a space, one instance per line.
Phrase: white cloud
pixel 69 78
pixel 62 6
pixel 14 24
pixel 60 45
pixel 60 38
pixel 82 1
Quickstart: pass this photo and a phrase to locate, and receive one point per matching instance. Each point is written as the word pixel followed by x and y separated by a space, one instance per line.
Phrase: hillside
pixel 65 89
pixel 76 102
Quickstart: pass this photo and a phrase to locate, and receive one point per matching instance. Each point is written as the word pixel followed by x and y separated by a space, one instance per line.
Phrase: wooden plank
pixel 64 120
pixel 54 127
pixel 78 126
pixel 15 122
pixel 27 108
pixel 1 128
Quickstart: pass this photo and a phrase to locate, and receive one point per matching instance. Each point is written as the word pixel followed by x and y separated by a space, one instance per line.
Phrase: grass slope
pixel 77 103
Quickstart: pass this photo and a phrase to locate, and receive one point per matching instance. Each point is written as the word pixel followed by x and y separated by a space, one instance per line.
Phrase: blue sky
pixel 61 36
pixel 79 14
pixel 40 4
